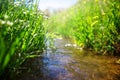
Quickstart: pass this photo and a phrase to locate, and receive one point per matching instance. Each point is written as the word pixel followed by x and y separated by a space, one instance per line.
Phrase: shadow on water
pixel 67 61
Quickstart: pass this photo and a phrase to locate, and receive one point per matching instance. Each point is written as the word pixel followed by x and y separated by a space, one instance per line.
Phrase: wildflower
pixel 21 21
pixel 16 21
pixel 9 23
pixel 6 16
pixel 102 28
pixel 2 22
pixel 24 12
pixel 17 3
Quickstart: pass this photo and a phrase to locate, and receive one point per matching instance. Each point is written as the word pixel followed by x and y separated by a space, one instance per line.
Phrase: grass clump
pixel 21 31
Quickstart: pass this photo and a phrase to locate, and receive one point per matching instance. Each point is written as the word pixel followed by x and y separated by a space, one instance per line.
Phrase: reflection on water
pixel 69 62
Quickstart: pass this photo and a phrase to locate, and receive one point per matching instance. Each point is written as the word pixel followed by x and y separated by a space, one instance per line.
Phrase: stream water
pixel 67 61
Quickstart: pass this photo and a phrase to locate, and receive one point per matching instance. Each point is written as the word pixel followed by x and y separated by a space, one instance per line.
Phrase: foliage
pixel 92 23
pixel 21 31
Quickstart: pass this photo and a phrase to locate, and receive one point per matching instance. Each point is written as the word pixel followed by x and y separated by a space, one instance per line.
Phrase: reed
pixel 21 31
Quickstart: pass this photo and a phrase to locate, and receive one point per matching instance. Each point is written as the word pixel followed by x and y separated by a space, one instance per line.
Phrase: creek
pixel 67 61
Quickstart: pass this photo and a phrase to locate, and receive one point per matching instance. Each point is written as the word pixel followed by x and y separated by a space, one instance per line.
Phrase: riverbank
pixel 69 63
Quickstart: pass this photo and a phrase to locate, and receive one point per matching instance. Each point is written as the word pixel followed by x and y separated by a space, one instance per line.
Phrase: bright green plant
pixel 92 23
pixel 97 29
pixel 21 31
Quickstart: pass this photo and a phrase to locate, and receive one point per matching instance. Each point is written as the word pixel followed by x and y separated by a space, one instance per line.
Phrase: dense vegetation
pixel 21 32
pixel 91 23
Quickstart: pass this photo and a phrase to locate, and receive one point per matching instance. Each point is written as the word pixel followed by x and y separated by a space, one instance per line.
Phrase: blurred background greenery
pixel 91 24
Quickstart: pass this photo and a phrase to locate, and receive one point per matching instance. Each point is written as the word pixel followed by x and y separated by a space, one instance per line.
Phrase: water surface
pixel 67 61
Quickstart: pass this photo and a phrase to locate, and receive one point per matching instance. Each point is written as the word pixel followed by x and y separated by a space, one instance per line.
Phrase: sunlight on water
pixel 69 63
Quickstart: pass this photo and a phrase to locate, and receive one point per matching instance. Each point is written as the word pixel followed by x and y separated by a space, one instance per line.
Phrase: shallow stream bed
pixel 67 61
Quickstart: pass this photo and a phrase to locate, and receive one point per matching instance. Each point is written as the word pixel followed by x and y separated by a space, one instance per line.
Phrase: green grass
pixel 92 23
pixel 21 31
